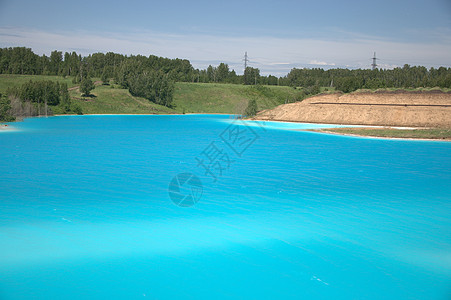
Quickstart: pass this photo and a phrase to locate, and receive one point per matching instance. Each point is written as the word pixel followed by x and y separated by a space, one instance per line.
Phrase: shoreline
pixel 325 131
pixel 7 127
pixel 174 114
pixel 342 124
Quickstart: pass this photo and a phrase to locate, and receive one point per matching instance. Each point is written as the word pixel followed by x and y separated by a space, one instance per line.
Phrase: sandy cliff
pixel 398 108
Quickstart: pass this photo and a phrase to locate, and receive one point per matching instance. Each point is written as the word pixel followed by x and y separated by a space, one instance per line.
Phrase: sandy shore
pixel 6 128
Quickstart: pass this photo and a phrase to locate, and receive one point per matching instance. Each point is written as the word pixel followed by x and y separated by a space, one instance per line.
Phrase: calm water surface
pixel 283 214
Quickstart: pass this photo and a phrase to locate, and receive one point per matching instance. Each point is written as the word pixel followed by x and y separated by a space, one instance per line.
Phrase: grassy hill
pixel 228 98
pixel 188 97
pixel 12 80
pixel 109 99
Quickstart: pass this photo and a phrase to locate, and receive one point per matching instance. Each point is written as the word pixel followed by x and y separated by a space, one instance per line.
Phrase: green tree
pixel 154 86
pixel 5 109
pixel 56 58
pixel 272 80
pixel 86 86
pixel 105 76
pixel 211 74
pixel 315 89
pixel 222 72
pixel 76 109
pixel 233 78
pixel 251 109
pixel 65 99
pixel 348 84
pixel 251 75
pixel 40 92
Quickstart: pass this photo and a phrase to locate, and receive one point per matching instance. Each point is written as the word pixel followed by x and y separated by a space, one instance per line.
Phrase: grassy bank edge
pixel 442 134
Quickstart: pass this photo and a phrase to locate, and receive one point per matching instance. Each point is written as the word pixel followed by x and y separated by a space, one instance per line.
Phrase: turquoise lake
pixel 87 211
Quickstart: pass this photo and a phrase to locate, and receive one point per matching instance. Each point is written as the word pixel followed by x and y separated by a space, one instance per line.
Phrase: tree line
pixel 350 80
pixel 35 98
pixel 123 69
pixel 21 60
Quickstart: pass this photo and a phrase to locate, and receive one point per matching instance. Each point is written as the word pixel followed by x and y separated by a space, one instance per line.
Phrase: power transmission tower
pixel 374 65
pixel 246 60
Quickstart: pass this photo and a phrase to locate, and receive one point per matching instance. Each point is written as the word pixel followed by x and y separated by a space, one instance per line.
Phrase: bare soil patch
pixel 388 108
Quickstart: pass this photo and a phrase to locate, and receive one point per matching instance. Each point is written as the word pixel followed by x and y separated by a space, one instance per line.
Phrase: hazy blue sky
pixel 278 35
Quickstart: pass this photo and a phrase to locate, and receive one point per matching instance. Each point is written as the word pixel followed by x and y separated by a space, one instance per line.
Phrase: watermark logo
pixel 185 189
pixel 238 138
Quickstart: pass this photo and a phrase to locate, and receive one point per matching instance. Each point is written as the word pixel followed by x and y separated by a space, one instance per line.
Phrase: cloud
pixel 320 63
pixel 271 55
pixel 279 63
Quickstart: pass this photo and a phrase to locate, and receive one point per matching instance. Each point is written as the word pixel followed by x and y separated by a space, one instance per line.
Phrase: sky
pixel 278 35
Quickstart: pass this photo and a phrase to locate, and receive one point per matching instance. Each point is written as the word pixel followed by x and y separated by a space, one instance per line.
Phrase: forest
pixel 122 68
pixel 35 98
pixel 347 80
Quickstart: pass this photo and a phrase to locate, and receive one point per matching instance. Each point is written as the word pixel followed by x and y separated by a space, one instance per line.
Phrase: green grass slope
pixel 228 98
pixel 108 99
pixel 188 97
